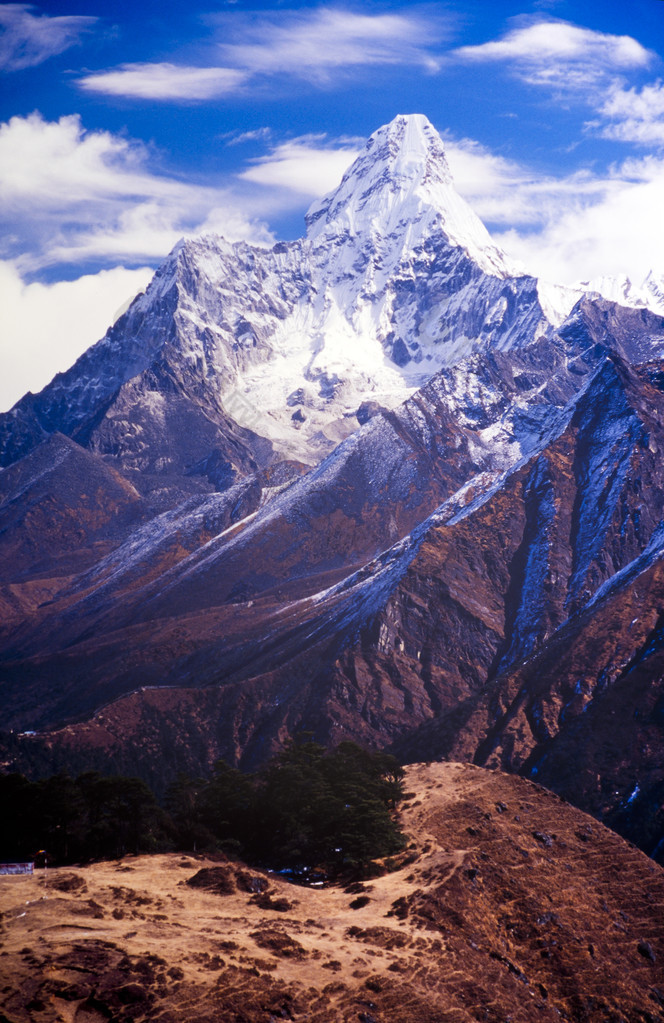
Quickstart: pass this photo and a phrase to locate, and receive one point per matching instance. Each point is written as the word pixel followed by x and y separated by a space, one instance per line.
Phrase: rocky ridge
pixel 508 903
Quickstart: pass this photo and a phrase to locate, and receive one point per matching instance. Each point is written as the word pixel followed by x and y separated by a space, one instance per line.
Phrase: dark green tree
pixel 183 805
pixel 225 808
pixel 123 816
pixel 20 834
pixel 309 807
pixel 329 809
pixel 62 814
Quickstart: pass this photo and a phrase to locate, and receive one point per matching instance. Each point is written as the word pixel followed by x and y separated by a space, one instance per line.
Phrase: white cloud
pixel 302 166
pixel 310 44
pixel 633 115
pixel 57 162
pixel 45 327
pixel 561 55
pixel 560 40
pixel 570 228
pixel 504 192
pixel 233 139
pixel 70 195
pixel 589 65
pixel 27 40
pixel 494 186
pixel 165 82
pixel 619 233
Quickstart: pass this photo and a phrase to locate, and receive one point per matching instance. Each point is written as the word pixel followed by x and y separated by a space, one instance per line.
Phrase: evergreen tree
pixel 309 807
pixel 183 805
pixel 226 808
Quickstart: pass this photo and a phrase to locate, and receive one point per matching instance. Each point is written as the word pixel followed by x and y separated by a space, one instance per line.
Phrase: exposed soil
pixel 509 905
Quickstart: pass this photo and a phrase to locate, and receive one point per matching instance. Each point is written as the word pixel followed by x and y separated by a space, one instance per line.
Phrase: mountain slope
pixel 451 442
pixel 356 484
pixel 423 646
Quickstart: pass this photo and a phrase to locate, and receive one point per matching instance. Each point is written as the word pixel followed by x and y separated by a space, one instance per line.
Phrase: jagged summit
pixel 403 157
pixel 401 185
pixel 648 294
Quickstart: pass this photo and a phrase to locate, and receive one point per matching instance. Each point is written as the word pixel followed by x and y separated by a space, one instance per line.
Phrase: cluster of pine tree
pixel 73 820
pixel 307 808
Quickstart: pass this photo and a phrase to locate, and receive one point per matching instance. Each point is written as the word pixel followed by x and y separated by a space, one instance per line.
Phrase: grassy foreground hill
pixel 508 905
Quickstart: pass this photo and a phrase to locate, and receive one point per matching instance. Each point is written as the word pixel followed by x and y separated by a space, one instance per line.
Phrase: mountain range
pixel 376 483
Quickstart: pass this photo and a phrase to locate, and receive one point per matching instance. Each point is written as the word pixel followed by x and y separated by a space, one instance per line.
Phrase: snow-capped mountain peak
pixel 649 294
pixel 401 186
pixel 396 278
pixel 402 158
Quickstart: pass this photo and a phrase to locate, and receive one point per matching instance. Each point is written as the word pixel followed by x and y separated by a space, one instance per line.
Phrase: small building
pixel 17 868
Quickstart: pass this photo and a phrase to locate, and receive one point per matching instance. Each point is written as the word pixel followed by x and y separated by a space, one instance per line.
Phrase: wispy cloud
pixel 590 67
pixel 166 82
pixel 316 45
pixel 256 135
pixel 612 232
pixel 303 165
pixel 71 195
pixel 505 192
pixel 310 44
pixel 27 39
pixel 561 55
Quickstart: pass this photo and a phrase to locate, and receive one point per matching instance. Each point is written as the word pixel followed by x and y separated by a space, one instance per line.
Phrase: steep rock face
pixel 583 714
pixel 491 583
pixel 75 400
pixel 573 691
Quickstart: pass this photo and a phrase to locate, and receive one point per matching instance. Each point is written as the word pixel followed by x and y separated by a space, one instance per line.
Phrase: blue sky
pixel 120 132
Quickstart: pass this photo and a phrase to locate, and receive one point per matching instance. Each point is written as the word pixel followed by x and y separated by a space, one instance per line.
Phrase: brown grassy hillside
pixel 514 906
